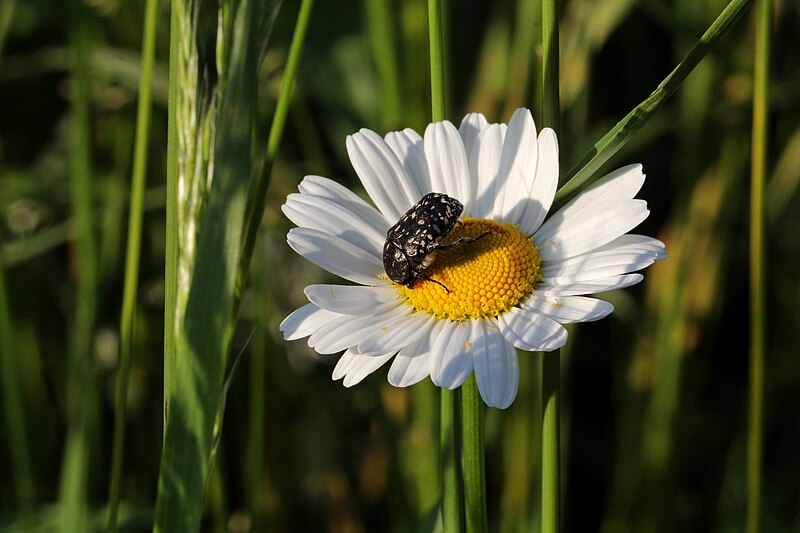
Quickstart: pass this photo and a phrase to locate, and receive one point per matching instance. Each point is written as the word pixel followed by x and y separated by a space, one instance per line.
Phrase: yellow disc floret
pixel 483 278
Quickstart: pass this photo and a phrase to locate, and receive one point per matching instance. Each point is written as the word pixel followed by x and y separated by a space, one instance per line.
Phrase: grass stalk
pixel 551 104
pixel 757 263
pixel 436 43
pixel 131 283
pixel 80 399
pixel 254 462
pixel 379 18
pixel 13 402
pixel 196 356
pixel 626 128
pixel 259 199
pixel 551 362
pixel 473 457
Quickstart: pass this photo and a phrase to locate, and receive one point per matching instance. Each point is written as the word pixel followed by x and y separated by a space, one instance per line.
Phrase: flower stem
pixel 551 426
pixel 449 448
pixel 132 257
pixel 474 473
pixel 435 26
pixel 452 489
pixel 757 282
pixel 551 107
pixel 551 362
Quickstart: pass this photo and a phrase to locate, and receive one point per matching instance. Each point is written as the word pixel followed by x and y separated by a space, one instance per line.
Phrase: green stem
pixel 551 107
pixel 132 256
pixel 452 489
pixel 259 199
pixel 80 393
pixel 551 362
pixel 435 25
pixel 379 17
pixel 13 402
pixel 473 456
pixel 551 441
pixel 757 282
pixel 625 129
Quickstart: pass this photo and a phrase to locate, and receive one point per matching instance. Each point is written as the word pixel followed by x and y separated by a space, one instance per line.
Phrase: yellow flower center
pixel 484 278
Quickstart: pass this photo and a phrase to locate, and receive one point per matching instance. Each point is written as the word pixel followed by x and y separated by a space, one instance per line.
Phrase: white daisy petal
pixel 528 330
pixel 597 265
pixel 469 129
pixel 348 331
pixel 568 309
pixel 540 198
pixel 453 361
pixel 401 332
pixel 447 162
pixel 323 214
pixel 575 235
pixel 413 362
pixel 590 287
pixel 517 167
pixel 352 299
pixel 337 256
pixel 329 189
pixel 305 321
pixel 381 173
pixel 496 365
pixel 343 364
pixel 354 366
pixel 410 150
pixel 483 165
pixel 636 243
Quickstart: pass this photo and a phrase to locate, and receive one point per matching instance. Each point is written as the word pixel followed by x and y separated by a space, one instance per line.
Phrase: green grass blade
pixel 80 387
pixel 197 367
pixel 381 33
pixel 259 198
pixel 616 138
pixel 13 412
pixel 757 264
pixel 436 40
pixel 131 286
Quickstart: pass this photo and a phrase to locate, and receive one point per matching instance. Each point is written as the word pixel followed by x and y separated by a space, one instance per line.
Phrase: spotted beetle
pixel 412 243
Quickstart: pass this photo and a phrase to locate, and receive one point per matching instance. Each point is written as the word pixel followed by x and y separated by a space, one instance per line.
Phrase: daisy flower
pixel 511 278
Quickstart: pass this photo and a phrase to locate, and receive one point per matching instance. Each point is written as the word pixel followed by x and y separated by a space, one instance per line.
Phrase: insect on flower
pixel 412 243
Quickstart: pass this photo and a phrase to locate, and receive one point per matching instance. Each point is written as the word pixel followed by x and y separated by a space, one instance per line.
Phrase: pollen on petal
pixel 479 279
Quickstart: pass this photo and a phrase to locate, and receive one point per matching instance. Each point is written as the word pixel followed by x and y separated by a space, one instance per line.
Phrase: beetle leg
pixel 462 240
pixel 423 277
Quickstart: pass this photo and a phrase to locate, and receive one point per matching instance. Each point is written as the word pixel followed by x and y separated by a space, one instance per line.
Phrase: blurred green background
pixel 654 425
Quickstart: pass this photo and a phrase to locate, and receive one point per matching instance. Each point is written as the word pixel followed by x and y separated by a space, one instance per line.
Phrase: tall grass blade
pixel 757 264
pixel 259 197
pixel 135 215
pixel 81 394
pixel 616 138
pixel 13 412
pixel 196 356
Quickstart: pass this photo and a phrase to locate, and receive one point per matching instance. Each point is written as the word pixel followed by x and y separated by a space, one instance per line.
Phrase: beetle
pixel 412 243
